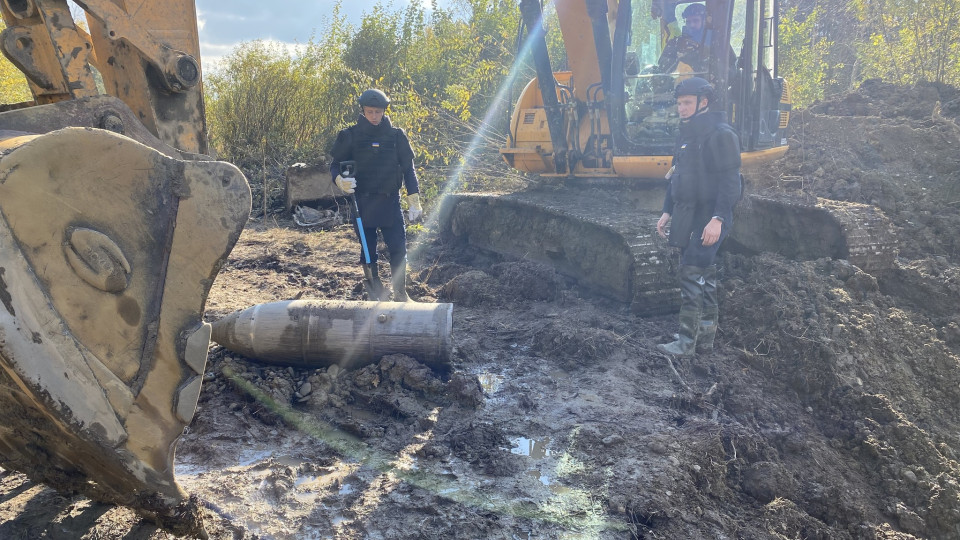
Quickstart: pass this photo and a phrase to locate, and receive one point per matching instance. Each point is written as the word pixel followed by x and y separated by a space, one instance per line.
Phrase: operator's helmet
pixel 693 10
pixel 695 86
pixel 374 98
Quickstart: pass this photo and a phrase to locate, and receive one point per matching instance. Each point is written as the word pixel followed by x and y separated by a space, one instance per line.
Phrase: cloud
pixel 224 24
pixel 213 54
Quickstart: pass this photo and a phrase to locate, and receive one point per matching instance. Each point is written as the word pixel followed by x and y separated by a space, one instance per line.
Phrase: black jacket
pixel 706 180
pixel 383 156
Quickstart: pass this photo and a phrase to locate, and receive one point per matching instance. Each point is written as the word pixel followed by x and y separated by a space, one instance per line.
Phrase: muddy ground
pixel 828 411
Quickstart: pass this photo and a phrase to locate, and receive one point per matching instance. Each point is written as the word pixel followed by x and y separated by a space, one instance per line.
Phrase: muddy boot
pixel 711 311
pixel 691 297
pixel 371 282
pixel 398 279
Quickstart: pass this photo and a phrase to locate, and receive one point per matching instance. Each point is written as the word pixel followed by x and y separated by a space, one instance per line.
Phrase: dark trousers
pixel 382 211
pixel 395 237
pixel 696 254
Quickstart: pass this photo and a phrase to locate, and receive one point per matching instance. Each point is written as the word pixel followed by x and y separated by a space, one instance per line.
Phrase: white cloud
pixel 213 54
pixel 224 24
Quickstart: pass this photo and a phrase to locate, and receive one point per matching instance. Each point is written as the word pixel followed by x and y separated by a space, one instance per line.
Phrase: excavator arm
pixel 146 56
pixel 113 226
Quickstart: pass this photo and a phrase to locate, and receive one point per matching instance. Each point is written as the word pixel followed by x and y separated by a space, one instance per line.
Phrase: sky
pixel 225 23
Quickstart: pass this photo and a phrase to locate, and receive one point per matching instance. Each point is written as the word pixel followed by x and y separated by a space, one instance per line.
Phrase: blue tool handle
pixel 347 170
pixel 363 237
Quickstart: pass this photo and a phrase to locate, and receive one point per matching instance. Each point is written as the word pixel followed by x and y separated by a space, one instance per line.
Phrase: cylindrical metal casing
pixel 317 333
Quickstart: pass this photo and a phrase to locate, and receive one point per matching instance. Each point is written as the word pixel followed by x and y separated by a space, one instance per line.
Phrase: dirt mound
pixel 507 282
pixel 884 145
pixel 874 97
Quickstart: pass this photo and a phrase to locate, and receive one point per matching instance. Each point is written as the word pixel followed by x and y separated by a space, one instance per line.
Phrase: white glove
pixel 347 185
pixel 414 210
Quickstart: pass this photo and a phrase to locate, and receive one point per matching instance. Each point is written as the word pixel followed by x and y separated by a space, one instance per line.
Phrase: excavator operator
pixel 682 53
pixel 704 187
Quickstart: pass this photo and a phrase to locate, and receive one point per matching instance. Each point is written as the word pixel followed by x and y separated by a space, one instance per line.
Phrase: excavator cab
pixel 613 112
pixel 699 49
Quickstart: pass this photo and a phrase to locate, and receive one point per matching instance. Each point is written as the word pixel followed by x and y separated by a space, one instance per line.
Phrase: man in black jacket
pixel 383 164
pixel 704 187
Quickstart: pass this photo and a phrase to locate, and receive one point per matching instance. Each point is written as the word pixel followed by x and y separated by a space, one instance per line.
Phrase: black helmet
pixel 695 86
pixel 694 10
pixel 374 98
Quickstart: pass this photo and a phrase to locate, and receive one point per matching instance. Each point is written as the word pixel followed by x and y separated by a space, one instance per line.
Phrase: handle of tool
pixel 363 238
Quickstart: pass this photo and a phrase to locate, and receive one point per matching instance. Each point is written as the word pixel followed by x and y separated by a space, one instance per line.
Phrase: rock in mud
pixel 527 280
pixel 767 480
pixel 471 289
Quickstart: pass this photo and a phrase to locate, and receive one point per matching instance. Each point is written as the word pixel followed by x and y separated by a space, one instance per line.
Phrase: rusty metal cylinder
pixel 321 333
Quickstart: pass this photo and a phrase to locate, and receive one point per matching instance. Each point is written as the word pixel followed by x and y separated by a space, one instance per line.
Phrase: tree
pixel 443 71
pixel 13 85
pixel 803 51
pixel 268 107
pixel 909 41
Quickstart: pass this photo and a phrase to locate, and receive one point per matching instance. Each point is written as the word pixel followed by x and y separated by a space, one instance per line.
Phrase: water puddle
pixel 535 448
pixel 289 461
pixel 246 458
pixel 549 481
pixel 539 476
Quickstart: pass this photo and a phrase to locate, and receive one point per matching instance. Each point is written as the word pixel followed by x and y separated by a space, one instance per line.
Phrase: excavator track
pixel 606 240
pixel 807 228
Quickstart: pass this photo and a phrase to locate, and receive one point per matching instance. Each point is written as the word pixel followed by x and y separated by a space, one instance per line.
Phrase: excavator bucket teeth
pixel 108 249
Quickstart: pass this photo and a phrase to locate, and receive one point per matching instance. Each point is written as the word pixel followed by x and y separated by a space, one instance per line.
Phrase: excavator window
pixel 671 41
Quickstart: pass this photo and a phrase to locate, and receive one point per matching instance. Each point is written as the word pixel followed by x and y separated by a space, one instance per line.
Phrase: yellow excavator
pixel 600 136
pixel 113 226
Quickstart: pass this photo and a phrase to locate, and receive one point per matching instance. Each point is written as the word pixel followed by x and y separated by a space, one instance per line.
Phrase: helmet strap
pixel 698 110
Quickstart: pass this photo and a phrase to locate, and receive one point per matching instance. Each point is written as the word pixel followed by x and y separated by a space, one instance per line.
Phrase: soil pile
pixel 889 146
pixel 828 410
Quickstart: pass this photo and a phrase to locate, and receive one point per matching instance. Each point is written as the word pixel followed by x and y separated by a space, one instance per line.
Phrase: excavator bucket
pixel 113 226
pixel 108 249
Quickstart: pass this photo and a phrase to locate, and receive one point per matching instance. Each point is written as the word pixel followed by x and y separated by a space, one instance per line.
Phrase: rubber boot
pixel 398 280
pixel 371 282
pixel 710 315
pixel 691 299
